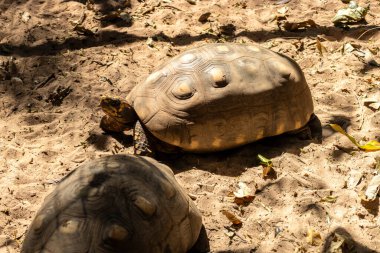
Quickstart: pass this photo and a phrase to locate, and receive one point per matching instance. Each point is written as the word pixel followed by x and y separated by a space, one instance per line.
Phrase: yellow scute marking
pixel 298 124
pixel 280 128
pixel 218 74
pixel 240 139
pixel 187 58
pixel 216 142
pixel 222 49
pixel 194 144
pixel 69 227
pixel 259 133
pixel 254 49
pixel 143 114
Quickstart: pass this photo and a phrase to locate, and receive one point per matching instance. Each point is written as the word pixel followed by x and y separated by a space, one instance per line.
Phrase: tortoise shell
pixel 116 204
pixel 220 96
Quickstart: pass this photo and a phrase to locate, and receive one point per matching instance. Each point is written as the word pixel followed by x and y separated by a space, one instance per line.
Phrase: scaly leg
pixel 142 143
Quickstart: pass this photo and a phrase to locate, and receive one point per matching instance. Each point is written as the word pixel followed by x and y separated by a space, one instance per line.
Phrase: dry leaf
pixel 313 237
pixel 341 243
pixel 207 187
pixel 320 47
pixel 354 179
pixel 84 31
pixel 267 171
pixel 369 58
pixel 229 233
pixel 243 194
pixel 369 146
pixel 284 24
pixel 300 250
pixel 149 42
pixel 372 104
pixel 204 17
pixel 349 47
pixel 267 164
pixel 364 55
pixel 372 189
pixel 231 217
pixel 277 231
pixel 352 14
pixel 283 10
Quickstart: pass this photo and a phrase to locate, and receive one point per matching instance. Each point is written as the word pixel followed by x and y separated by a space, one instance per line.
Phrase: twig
pixel 81 19
pixel 367 31
pixel 362 111
pixel 132 53
pixel 46 81
pixel 106 79
pixel 151 9
pixel 235 233
pixel 171 7
pixel 266 207
pixel 101 63
pixel 14 108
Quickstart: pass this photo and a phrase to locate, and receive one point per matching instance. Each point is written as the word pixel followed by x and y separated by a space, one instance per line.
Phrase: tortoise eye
pixel 115 103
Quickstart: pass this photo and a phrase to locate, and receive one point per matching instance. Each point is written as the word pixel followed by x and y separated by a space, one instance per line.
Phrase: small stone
pixel 25 17
pixel 192 1
pixel 16 81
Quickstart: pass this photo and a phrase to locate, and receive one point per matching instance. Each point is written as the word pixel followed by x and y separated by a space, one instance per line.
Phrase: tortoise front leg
pixel 142 141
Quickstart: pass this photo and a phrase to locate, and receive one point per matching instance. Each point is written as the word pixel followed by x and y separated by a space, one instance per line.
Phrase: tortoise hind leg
pixel 311 131
pixel 142 141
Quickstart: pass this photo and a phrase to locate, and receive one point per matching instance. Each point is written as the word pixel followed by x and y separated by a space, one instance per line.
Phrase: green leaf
pixel 264 161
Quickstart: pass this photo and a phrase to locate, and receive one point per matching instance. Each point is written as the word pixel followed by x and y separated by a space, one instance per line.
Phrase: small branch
pixel 361 111
pixel 46 81
pixel 361 35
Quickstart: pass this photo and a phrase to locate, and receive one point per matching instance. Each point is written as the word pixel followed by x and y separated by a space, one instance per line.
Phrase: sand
pixel 58 58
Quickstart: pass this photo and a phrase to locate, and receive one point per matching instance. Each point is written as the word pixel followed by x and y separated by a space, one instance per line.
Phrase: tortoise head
pixel 118 112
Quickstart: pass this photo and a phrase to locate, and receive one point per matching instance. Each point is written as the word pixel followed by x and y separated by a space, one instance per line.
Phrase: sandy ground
pixel 58 57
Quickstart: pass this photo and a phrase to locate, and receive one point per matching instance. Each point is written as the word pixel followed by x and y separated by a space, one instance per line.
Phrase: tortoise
pixel 211 98
pixel 118 204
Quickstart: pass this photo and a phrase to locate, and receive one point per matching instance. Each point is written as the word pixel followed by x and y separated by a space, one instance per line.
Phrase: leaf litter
pixel 372 145
pixel 313 237
pixel 341 243
pixel 285 25
pixel 353 14
pixel 243 195
pixel 372 190
pixel 231 217
pixel 329 199
pixel 267 164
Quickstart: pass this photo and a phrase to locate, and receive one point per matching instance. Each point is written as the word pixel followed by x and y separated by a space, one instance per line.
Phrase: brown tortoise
pixel 211 98
pixel 116 204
